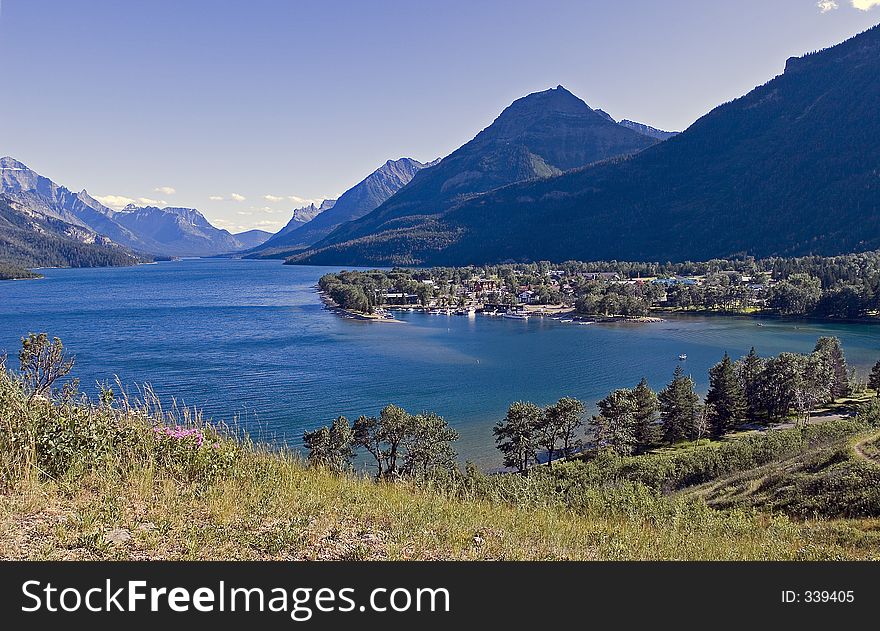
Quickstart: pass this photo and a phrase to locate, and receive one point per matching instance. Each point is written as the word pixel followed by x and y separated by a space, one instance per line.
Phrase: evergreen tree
pixel 557 426
pixel 725 398
pixel 615 425
pixel 516 435
pixel 647 431
pixel 428 446
pixel 750 371
pixel 331 447
pixel 831 352
pixel 874 379
pixel 679 408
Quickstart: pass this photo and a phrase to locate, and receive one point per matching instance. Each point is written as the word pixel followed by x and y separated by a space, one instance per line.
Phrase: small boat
pixel 515 315
pixel 759 324
pixel 682 357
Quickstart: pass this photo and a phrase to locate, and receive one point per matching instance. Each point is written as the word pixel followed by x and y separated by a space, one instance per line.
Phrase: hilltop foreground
pixel 119 480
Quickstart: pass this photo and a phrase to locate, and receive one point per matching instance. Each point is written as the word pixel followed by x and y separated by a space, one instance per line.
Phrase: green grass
pixel 87 481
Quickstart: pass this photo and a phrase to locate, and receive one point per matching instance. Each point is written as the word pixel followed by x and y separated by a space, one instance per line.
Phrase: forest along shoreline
pixel 839 289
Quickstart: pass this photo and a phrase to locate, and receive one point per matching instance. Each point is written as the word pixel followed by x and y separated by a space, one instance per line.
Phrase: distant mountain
pixel 647 130
pixel 356 202
pixel 33 239
pixel 302 216
pixel 538 136
pixel 152 230
pixel 42 195
pixel 176 231
pixel 252 238
pixel 791 168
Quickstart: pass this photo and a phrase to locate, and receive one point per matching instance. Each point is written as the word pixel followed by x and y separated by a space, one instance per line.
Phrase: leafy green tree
pixel 567 416
pixel 646 414
pixel 874 379
pixel 797 295
pixel 331 447
pixel 615 425
pixel 394 426
pixel 43 363
pixel 725 398
pixel 516 435
pixel 812 386
pixel 428 446
pixel 830 351
pixel 368 434
pixel 679 408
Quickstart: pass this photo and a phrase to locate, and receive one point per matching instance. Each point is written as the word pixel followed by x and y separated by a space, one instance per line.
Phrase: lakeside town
pixel 843 287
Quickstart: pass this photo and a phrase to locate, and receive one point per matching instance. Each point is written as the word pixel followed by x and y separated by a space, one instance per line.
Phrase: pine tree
pixel 679 408
pixel 750 370
pixel 874 379
pixel 725 398
pixel 516 435
pixel 615 424
pixel 647 406
pixel 830 350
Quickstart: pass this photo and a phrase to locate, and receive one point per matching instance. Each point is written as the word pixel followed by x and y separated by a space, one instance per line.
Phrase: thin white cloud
pixel 827 5
pixel 865 5
pixel 238 198
pixel 273 198
pixel 244 212
pixel 165 190
pixel 115 202
pixel 305 201
pixel 216 198
pixel 118 202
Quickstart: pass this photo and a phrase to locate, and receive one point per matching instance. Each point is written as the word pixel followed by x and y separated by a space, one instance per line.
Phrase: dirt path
pixel 859 449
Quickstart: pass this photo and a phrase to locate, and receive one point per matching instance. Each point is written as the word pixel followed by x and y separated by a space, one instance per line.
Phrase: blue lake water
pixel 251 339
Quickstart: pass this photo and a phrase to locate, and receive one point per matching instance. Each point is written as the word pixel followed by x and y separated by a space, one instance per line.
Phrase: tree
pixel 615 424
pixel 427 445
pixel 797 295
pixel 515 435
pixel 42 363
pixel 830 351
pixel 394 425
pixel 367 434
pixel 679 408
pixel 725 398
pixel 811 387
pixel 874 379
pixel 567 415
pixel 647 407
pixel 749 371
pixel 331 447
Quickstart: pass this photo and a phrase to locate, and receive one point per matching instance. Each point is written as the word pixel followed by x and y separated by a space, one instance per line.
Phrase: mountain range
pixel 538 136
pixel 147 230
pixel 353 204
pixel 32 239
pixel 790 168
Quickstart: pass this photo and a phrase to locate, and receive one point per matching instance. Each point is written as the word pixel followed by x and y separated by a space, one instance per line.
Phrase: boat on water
pixel 516 315
pixel 682 357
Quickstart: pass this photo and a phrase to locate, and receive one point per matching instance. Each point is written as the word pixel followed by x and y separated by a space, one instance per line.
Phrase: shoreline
pixel 330 305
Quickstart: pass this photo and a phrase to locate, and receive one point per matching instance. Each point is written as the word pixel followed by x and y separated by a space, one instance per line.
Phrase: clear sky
pixel 242 108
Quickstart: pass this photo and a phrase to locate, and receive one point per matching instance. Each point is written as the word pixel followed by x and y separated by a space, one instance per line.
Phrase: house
pixel 602 276
pixel 525 297
pixel 398 298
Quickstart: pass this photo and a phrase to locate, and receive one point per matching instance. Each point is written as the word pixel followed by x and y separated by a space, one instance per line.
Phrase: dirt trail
pixel 859 449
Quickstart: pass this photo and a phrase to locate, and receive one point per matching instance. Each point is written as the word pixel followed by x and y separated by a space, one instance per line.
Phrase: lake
pixel 251 339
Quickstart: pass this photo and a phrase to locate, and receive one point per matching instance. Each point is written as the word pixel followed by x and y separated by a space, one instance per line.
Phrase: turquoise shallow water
pixel 251 339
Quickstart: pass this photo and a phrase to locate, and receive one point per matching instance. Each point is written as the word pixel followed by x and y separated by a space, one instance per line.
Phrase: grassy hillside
pixel 117 479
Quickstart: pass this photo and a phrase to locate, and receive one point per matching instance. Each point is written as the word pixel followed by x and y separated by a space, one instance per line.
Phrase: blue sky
pixel 243 108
